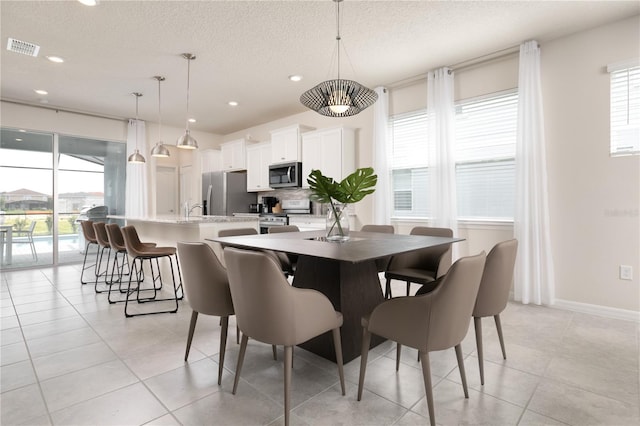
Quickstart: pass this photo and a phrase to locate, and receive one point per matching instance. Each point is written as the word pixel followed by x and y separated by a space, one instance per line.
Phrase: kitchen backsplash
pixel 291 194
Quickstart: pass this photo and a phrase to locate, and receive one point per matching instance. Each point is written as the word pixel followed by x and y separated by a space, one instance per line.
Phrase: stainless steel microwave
pixel 285 175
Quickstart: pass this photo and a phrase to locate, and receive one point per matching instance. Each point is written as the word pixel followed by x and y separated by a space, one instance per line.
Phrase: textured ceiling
pixel 246 49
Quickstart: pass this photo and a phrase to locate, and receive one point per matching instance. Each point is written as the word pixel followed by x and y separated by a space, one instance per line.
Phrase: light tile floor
pixel 70 358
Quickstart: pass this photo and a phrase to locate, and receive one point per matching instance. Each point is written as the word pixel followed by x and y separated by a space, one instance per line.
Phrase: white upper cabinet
pixel 258 158
pixel 332 151
pixel 286 144
pixel 211 160
pixel 234 155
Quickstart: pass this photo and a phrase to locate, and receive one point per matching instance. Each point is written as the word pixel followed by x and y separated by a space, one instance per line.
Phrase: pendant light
pixel 187 141
pixel 339 97
pixel 160 150
pixel 136 157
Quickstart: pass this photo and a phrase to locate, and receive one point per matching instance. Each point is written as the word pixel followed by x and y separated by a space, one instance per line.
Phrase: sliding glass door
pixel 54 181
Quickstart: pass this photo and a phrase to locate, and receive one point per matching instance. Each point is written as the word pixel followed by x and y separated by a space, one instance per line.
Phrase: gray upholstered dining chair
pixel 206 286
pixel 494 293
pixel 288 261
pixel 270 310
pixel 420 266
pixel 431 322
pixel 282 258
pixel 383 262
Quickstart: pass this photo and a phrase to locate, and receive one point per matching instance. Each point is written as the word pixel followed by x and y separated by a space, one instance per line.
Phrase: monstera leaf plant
pixel 338 195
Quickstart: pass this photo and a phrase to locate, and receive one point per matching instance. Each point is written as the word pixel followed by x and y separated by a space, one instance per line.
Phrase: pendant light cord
pixel 137 95
pixel 159 110
pixel 188 85
pixel 338 33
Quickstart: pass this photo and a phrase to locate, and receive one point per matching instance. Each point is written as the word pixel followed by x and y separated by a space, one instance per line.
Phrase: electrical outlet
pixel 626 272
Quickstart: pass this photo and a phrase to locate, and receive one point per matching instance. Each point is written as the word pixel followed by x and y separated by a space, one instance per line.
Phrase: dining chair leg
pixel 387 290
pixel 408 287
pixel 237 335
pixel 223 347
pixel 274 349
pixel 499 327
pixel 337 344
pixel 463 375
pixel 477 322
pixel 192 328
pixel 243 349
pixel 288 358
pixel 426 376
pixel 366 341
pixel 398 352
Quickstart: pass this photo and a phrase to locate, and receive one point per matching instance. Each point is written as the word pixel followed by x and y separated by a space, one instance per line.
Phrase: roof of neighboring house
pixel 25 191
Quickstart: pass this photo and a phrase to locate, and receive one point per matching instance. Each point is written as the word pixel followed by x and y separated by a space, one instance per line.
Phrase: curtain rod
pixel 460 65
pixel 70 111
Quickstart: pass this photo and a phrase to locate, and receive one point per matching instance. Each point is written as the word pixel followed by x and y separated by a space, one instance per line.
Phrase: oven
pixel 268 220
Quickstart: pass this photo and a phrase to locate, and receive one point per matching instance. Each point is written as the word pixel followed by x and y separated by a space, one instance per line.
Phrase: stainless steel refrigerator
pixel 226 193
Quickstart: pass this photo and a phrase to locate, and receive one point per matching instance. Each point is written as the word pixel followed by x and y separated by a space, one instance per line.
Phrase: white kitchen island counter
pixel 168 230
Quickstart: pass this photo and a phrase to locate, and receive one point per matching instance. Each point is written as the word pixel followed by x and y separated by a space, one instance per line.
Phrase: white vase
pixel 337 222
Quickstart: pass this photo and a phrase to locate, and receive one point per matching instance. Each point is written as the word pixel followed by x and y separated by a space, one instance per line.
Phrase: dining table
pixel 6 239
pixel 345 272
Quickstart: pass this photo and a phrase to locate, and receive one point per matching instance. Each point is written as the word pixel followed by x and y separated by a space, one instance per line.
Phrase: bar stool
pixel 90 239
pixel 139 253
pixel 104 245
pixel 117 245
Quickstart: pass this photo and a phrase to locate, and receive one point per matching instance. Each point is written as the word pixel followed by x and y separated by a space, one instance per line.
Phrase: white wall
pixel 594 198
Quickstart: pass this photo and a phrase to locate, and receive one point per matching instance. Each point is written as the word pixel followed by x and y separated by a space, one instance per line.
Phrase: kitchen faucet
pixel 187 210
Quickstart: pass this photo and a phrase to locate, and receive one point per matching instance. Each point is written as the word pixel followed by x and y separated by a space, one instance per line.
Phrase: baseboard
pixel 603 311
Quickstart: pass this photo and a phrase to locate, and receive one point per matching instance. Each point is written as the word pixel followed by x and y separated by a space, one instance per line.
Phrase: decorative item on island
pixel 339 195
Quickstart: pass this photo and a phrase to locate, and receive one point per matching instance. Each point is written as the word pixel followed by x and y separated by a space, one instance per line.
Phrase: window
pixel 485 159
pixel 625 109
pixel 485 156
pixel 409 174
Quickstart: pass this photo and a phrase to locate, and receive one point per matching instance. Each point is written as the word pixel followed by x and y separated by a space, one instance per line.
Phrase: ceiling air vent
pixel 23 47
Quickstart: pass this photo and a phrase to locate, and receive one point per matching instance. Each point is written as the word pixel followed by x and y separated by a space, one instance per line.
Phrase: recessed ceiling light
pixel 18 140
pixel 295 77
pixel 41 92
pixel 56 59
pixel 89 2
pixel 192 120
pixel 22 130
pixel 233 103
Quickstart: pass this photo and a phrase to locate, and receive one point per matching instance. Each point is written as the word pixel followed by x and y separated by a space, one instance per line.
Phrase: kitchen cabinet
pixel 286 144
pixel 234 155
pixel 258 158
pixel 308 223
pixel 317 223
pixel 211 160
pixel 332 151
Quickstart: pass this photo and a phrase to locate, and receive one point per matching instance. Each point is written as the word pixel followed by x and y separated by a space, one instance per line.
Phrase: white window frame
pixel 422 113
pixel 624 108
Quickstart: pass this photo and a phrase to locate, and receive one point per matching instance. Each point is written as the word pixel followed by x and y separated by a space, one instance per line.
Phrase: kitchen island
pixel 168 230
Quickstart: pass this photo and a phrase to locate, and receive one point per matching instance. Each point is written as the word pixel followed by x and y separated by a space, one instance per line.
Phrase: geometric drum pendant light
pixel 136 157
pixel 160 150
pixel 339 97
pixel 187 141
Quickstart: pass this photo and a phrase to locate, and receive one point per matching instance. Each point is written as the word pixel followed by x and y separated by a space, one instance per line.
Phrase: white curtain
pixel 136 195
pixel 381 155
pixel 441 162
pixel 534 281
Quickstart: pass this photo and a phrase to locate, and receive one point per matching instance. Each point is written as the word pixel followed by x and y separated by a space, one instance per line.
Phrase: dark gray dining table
pixel 343 271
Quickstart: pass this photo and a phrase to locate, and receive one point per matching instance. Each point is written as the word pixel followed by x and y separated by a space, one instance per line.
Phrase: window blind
pixel 485 159
pixel 625 111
